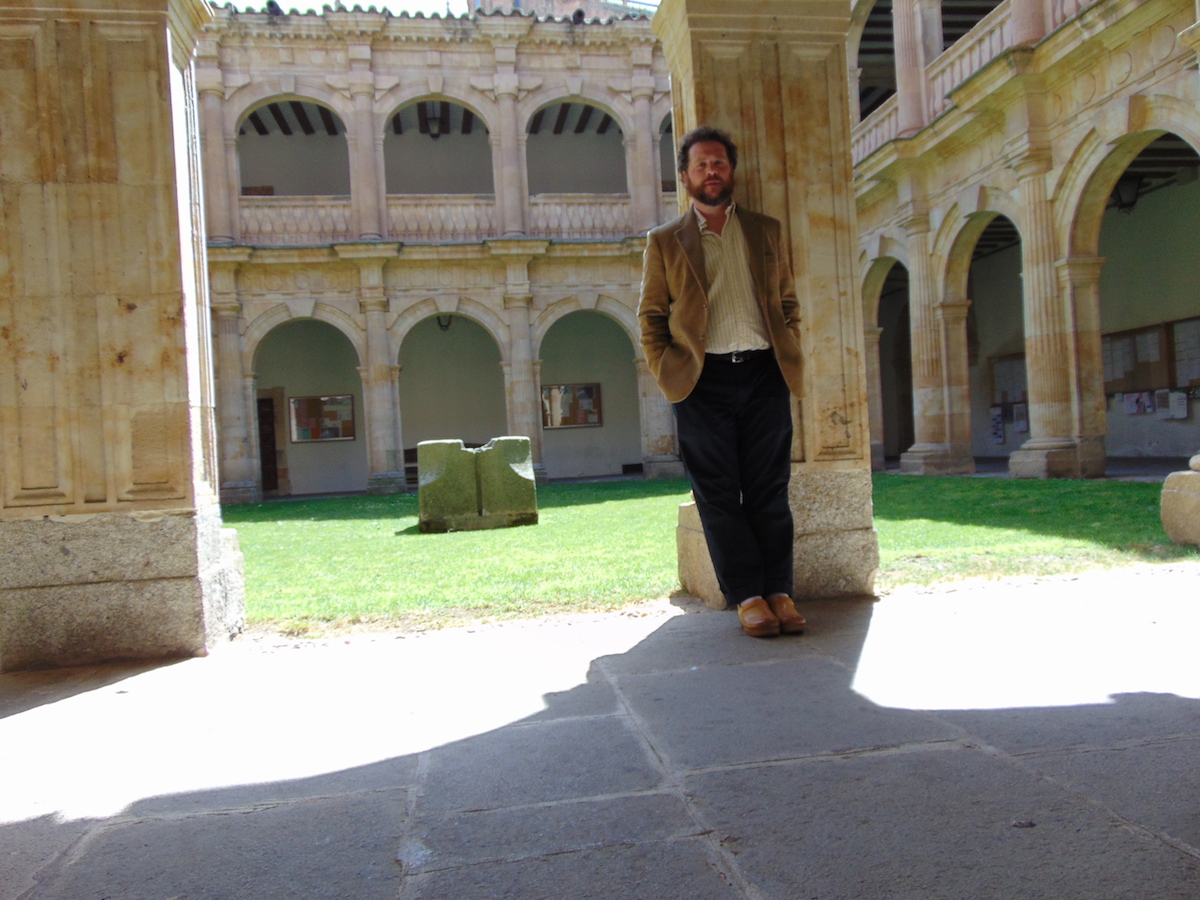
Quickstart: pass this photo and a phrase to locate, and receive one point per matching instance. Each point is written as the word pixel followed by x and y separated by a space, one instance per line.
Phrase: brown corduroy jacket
pixel 673 309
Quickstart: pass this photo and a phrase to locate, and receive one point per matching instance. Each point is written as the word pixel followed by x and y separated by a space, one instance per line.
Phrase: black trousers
pixel 735 438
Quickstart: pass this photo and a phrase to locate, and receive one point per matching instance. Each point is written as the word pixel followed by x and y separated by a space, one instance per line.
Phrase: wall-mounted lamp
pixel 1125 193
pixel 445 326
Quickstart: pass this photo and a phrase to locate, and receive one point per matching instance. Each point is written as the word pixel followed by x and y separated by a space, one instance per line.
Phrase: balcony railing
pixel 442 218
pixel 291 221
pixel 968 55
pixel 580 216
pixel 875 130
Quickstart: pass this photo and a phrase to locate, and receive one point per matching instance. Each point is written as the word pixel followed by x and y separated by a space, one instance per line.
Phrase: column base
pixel 85 589
pixel 1181 505
pixel 240 492
pixel 878 460
pixel 937 459
pixel 663 467
pixel 836 548
pixel 387 483
pixel 1068 458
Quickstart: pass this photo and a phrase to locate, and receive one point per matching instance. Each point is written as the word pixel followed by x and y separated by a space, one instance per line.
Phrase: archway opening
pixel 451 384
pixel 590 414
pixel 575 148
pixel 310 414
pixel 293 147
pixel 895 364
pixel 437 147
pixel 1149 308
pixel 876 59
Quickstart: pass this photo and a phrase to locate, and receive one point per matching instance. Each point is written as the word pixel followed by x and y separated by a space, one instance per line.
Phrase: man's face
pixel 709 176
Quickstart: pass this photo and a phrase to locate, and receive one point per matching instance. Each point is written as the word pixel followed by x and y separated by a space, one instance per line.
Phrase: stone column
pixel 660 452
pixel 956 385
pixel 238 464
pixel 521 385
pixel 218 200
pixel 910 67
pixel 1079 285
pixel 1053 449
pixel 112 534
pixel 872 334
pixel 640 158
pixel 385 454
pixel 926 455
pixel 774 75
pixel 508 187
pixel 365 188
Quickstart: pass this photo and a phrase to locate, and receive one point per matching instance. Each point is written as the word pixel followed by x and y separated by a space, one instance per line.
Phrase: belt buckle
pixel 737 356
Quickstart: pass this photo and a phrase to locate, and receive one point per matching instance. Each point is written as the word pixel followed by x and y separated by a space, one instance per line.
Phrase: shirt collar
pixel 730 210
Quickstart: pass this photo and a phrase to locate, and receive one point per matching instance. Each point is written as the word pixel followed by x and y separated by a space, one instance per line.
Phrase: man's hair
pixel 705 133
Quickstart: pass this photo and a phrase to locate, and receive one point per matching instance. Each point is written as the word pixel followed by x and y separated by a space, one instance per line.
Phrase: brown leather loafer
pixel 790 621
pixel 757 619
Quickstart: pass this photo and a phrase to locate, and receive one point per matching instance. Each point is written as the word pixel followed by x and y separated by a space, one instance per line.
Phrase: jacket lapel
pixel 688 235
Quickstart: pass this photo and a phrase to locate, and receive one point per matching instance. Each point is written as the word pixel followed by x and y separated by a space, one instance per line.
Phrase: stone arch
pixel 962 247
pixel 401 96
pixel 876 274
pixel 604 100
pixel 461 161
pixel 449 305
pixel 614 309
pixel 249 98
pixel 281 313
pixel 291 151
pixel 1105 152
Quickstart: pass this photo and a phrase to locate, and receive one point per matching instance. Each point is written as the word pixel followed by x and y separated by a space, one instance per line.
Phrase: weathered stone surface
pixel 828 563
pixel 1181 507
pixel 82 589
pixel 468 490
pixel 507 490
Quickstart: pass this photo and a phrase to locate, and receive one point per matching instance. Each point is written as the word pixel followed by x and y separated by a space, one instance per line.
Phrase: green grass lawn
pixel 327 563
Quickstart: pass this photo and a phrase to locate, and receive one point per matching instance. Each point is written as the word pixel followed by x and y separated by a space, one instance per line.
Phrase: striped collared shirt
pixel 734 319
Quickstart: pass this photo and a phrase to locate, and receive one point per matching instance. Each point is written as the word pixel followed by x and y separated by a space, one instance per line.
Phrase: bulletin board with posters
pixel 329 418
pixel 571 405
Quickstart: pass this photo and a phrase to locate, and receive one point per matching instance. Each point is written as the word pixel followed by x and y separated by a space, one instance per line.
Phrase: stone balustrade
pixel 977 47
pixel 581 216
pixel 875 130
pixel 292 221
pixel 439 218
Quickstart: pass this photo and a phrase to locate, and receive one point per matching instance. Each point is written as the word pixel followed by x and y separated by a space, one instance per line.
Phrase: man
pixel 721 333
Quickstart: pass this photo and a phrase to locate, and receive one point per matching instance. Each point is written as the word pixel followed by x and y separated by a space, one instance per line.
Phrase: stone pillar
pixel 1079 285
pixel 872 334
pixel 926 455
pixel 365 188
pixel 110 530
pixel 238 462
pixel 508 187
pixel 774 75
pixel 1054 449
pixel 521 389
pixel 219 202
pixel 640 157
pixel 910 67
pixel 660 452
pixel 385 454
pixel 956 385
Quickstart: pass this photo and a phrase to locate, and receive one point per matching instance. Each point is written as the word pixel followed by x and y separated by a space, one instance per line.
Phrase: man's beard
pixel 701 193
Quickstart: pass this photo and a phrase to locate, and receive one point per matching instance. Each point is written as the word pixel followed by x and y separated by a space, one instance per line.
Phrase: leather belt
pixel 737 356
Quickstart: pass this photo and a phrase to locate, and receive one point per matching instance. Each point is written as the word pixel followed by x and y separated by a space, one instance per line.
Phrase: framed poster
pixel 571 405
pixel 322 418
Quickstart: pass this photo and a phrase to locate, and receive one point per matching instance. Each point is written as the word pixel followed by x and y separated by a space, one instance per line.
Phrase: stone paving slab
pixel 459 839
pixel 934 824
pixel 666 870
pixel 732 715
pixel 337 847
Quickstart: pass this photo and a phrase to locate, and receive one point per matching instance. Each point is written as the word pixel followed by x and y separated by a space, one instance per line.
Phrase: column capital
pixel 1081 270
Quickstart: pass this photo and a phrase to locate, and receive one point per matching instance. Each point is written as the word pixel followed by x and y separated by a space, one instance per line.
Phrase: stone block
pixel 84 589
pixel 696 573
pixel 829 562
pixel 460 489
pixel 1180 508
pixel 507 490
